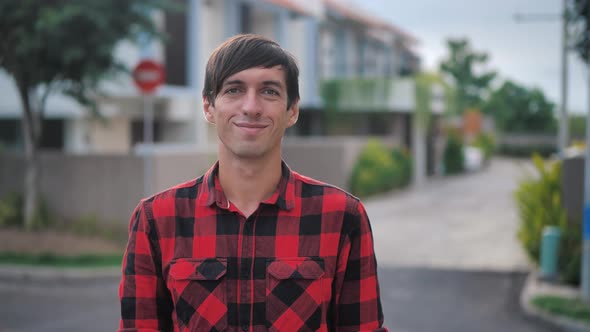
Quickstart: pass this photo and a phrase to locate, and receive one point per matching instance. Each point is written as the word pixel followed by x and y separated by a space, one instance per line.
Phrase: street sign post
pixel 148 75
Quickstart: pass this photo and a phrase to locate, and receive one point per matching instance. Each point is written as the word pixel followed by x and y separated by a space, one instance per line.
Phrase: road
pixel 414 300
pixel 88 305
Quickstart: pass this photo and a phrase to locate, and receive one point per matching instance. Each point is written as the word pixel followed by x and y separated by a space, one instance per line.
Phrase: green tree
pixel 63 46
pixel 463 67
pixel 579 15
pixel 519 109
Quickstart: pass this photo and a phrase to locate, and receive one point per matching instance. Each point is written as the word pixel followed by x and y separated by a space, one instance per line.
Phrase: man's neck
pixel 247 183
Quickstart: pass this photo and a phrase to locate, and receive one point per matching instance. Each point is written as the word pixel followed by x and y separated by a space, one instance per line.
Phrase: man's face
pixel 251 114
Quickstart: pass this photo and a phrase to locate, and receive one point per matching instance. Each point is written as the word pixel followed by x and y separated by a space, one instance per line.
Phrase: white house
pixel 329 39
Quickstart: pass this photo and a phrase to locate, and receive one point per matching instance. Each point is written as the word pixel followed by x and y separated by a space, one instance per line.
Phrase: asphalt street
pixel 414 300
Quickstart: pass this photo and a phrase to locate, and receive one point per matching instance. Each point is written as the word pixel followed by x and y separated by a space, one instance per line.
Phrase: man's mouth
pixel 251 128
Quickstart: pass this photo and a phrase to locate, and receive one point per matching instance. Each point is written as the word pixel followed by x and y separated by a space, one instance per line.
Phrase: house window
pixel 137 131
pixel 52 136
pixel 175 47
pixel 10 134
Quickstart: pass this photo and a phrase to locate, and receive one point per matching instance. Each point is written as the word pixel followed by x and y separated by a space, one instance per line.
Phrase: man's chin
pixel 248 153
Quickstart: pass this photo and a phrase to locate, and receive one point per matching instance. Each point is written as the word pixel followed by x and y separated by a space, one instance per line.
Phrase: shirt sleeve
pixel 357 304
pixel 146 304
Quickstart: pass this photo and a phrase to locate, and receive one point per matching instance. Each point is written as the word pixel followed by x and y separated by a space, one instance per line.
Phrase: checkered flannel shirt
pixel 304 261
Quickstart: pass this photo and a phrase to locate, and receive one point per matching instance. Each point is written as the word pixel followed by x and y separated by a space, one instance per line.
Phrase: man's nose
pixel 251 104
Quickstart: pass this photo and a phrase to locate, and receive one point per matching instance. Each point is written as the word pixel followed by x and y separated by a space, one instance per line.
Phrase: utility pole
pixel 563 135
pixel 563 139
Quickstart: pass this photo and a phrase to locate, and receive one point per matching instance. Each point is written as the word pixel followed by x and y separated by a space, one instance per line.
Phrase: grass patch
pixel 49 259
pixel 570 308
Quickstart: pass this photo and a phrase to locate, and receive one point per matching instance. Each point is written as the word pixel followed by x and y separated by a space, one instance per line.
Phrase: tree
pixel 519 109
pixel 579 15
pixel 463 68
pixel 63 46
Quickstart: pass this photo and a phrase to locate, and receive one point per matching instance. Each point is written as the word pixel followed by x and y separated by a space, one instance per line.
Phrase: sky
pixel 528 53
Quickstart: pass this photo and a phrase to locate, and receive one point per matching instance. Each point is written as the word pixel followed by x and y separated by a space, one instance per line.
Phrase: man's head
pixel 244 52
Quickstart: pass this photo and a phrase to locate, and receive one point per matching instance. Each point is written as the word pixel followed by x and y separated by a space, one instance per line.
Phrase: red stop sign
pixel 148 75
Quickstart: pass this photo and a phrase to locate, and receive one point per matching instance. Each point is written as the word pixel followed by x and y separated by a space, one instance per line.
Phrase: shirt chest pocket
pixel 198 289
pixel 294 294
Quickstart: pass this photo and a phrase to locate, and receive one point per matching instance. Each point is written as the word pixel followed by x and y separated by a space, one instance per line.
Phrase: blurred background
pixel 461 126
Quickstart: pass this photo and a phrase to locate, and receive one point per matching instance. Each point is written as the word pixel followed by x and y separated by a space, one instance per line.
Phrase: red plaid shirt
pixel 304 261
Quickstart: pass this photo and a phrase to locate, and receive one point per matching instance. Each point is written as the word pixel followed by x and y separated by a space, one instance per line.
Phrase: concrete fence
pixel 516 139
pixel 110 186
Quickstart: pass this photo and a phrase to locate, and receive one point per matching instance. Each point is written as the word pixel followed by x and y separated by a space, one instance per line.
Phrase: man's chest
pixel 256 270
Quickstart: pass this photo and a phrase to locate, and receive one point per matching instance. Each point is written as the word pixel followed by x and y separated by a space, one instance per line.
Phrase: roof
pixel 352 12
pixel 301 7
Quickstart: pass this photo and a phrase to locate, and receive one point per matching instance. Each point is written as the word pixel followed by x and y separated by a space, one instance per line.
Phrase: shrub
pixel 91 225
pixel 379 170
pixel 401 158
pixel 373 172
pixel 454 158
pixel 486 143
pixel 539 205
pixel 11 208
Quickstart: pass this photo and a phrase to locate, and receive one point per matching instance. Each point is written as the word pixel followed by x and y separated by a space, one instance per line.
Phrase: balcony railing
pixel 369 95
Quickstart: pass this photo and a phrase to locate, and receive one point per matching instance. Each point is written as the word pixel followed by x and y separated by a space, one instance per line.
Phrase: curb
pixel 534 287
pixel 42 273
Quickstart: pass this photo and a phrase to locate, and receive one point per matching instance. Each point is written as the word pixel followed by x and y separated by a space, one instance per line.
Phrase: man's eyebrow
pixel 278 84
pixel 273 83
pixel 233 82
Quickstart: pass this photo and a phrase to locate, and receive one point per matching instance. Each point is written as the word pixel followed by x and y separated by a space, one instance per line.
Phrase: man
pixel 250 245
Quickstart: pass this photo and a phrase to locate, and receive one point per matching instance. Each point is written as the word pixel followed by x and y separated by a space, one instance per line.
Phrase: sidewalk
pixel 534 287
pixel 40 273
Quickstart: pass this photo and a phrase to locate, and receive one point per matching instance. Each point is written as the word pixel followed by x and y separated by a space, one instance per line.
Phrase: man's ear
pixel 208 109
pixel 294 113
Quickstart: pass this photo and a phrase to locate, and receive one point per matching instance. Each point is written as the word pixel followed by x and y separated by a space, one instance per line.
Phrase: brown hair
pixel 247 51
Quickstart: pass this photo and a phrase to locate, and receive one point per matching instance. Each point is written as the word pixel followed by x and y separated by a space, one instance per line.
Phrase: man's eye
pixel 270 92
pixel 232 90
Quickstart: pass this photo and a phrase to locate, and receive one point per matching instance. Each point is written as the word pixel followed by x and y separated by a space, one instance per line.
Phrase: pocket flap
pixel 198 269
pixel 306 268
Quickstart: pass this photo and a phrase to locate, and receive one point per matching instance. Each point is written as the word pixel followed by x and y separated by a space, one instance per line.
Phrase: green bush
pixel 11 207
pixel 402 160
pixel 486 143
pixel 577 126
pixel 91 225
pixel 454 158
pixel 539 205
pixel 378 170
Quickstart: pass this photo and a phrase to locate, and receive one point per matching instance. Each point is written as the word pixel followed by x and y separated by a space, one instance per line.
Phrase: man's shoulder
pixel 313 187
pixel 188 189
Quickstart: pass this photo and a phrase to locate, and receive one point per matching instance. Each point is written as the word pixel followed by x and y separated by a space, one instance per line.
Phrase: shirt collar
pixel 283 197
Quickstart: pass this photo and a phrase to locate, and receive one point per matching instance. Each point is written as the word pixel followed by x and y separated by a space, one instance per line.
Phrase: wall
pixel 107 186
pixel 110 186
pixel 526 139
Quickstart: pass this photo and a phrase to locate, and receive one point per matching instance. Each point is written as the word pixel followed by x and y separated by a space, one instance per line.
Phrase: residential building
pixel 330 40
